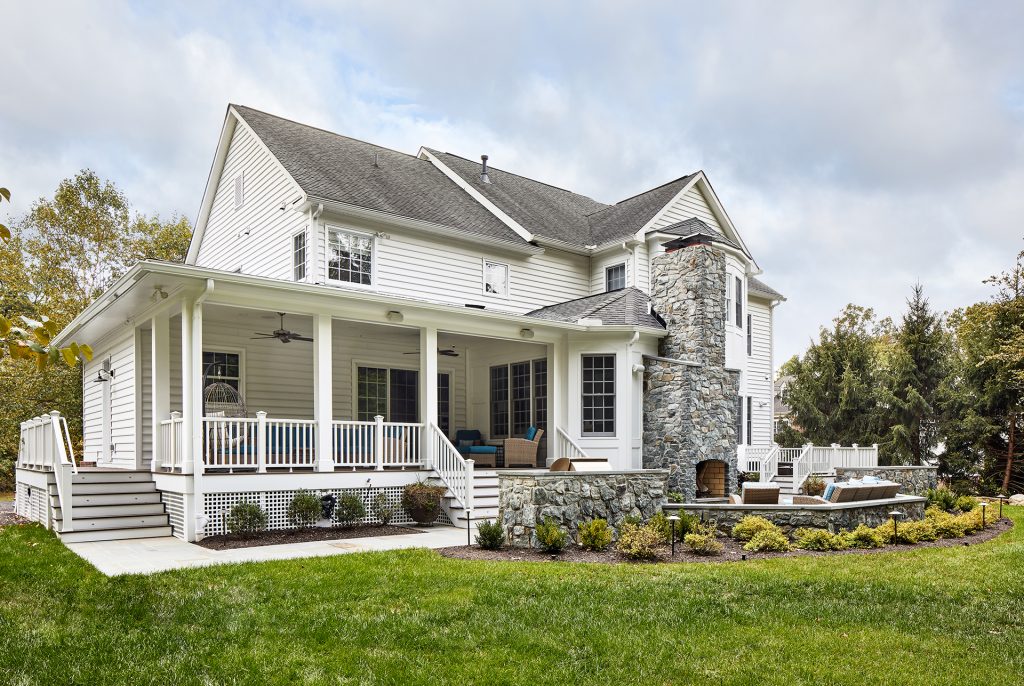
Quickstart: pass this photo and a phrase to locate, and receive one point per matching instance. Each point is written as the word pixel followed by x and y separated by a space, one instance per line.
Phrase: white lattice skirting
pixel 32 502
pixel 275 503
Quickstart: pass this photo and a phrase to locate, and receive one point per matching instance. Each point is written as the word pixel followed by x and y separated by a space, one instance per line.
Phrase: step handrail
pixel 567 445
pixel 770 465
pixel 455 471
pixel 802 467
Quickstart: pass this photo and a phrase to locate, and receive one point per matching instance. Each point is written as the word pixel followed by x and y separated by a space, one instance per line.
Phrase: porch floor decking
pixel 151 555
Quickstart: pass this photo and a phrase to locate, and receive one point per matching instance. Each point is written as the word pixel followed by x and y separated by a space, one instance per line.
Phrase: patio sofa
pixel 470 444
pixel 857 491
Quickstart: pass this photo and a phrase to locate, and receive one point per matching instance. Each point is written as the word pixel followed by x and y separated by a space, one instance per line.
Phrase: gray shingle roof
pixel 629 216
pixel 626 306
pixel 756 286
pixel 694 226
pixel 333 167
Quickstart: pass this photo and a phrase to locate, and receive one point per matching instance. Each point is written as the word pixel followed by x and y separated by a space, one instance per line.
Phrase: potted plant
pixel 814 485
pixel 422 501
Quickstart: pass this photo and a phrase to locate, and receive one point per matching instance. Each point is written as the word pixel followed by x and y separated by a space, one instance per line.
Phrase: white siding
pixel 266 251
pixel 609 259
pixel 121 354
pixel 447 270
pixel 145 375
pixel 759 371
pixel 691 204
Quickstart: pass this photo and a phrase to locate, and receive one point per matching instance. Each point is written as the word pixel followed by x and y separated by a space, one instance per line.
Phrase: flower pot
pixel 422 503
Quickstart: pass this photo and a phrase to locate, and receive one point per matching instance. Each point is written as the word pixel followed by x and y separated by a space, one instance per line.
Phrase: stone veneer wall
pixel 690 412
pixel 915 480
pixel 525 499
pixel 789 517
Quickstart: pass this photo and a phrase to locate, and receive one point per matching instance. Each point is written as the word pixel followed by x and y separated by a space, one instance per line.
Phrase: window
pixel 239 191
pixel 444 403
pixel 224 367
pixel 522 407
pixel 499 401
pixel 739 302
pixel 299 256
pixel 540 395
pixel 598 395
pixel 349 257
pixel 495 278
pixel 391 393
pixel 727 312
pixel 750 419
pixel 750 336
pixel 739 419
pixel 615 277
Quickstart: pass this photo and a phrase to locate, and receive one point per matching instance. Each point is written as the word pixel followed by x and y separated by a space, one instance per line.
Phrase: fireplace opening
pixel 711 479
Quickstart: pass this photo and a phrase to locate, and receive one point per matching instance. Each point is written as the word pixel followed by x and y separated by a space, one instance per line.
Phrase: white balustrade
pixel 566 447
pixel 172 443
pixel 45 443
pixel 454 470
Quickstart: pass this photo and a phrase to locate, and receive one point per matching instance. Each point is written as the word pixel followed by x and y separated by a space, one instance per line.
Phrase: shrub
pixel 814 485
pixel 750 526
pixel 944 524
pixel 304 510
pixel 595 534
pixel 923 530
pixel 639 542
pixel 350 508
pixel 659 524
pixel 971 521
pixel 752 477
pixel 246 519
pixel 675 497
pixel 687 524
pixel 703 544
pixel 863 537
pixel 942 496
pixel 768 540
pixel 632 519
pixel 965 503
pixel 490 535
pixel 550 537
pixel 906 532
pixel 383 509
pixel 819 539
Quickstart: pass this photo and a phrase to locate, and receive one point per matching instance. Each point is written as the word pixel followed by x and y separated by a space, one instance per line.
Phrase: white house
pixel 403 298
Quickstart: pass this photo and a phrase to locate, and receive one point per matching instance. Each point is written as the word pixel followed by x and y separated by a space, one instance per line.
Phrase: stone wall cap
pixel 889 466
pixel 611 472
pixel 824 507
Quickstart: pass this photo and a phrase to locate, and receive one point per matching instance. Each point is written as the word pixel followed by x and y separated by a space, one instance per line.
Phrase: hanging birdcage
pixel 221 399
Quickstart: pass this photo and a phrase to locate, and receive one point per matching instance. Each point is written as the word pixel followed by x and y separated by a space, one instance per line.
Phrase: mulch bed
pixel 283 536
pixel 733 551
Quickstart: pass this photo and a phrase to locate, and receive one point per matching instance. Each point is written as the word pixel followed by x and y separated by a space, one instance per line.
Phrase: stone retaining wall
pixel 525 499
pixel 789 517
pixel 914 480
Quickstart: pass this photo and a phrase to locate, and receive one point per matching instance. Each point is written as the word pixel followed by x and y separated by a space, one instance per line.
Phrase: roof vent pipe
pixel 483 170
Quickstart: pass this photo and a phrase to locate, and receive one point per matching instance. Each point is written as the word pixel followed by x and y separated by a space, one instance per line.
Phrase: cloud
pixel 859 147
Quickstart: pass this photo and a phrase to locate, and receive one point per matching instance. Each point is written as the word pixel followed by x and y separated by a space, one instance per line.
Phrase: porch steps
pixel 111 505
pixel 485 501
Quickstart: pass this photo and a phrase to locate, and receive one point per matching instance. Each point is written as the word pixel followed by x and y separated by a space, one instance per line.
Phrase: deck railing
pixel 566 447
pixel 455 471
pixel 377 444
pixel 172 443
pixel 45 443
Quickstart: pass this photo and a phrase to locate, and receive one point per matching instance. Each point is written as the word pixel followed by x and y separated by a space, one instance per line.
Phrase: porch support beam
pixel 557 395
pixel 323 410
pixel 160 381
pixel 189 426
pixel 428 386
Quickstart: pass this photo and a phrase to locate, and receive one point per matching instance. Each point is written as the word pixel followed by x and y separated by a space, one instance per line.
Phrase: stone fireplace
pixel 690 403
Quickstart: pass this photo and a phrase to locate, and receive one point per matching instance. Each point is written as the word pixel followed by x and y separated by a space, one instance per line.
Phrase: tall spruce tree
pixel 913 366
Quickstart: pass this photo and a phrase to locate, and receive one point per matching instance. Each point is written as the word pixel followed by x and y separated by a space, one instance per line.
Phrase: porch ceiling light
pixel 526 333
pixel 395 316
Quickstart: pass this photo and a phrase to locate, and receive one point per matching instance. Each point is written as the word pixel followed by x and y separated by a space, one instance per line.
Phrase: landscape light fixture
pixel 673 518
pixel 895 514
pixel 984 506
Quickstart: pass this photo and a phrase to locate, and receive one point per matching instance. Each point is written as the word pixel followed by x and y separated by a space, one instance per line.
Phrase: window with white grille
pixel 598 401
pixel 299 256
pixel 349 257
pixel 615 277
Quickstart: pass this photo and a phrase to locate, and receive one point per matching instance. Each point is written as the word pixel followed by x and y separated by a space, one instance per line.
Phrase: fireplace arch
pixel 712 479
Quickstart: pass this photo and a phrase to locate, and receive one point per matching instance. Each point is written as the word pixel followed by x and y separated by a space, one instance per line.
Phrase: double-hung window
pixel 727 312
pixel 299 256
pixel 495 278
pixel 391 393
pixel 750 420
pixel 750 335
pixel 223 367
pixel 615 277
pixel 598 399
pixel 739 302
pixel 349 257
pixel 739 419
pixel 519 397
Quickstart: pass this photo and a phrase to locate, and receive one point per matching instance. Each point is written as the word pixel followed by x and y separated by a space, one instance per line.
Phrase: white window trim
pixel 579 390
pixel 374 257
pixel 483 281
pixel 625 274
pixel 305 252
pixel 231 351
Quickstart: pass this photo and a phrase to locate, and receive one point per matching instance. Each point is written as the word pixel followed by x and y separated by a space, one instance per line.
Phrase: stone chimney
pixel 690 411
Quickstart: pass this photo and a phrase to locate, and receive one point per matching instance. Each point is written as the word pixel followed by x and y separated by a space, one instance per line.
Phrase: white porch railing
pixel 566 447
pixel 809 459
pixel 802 467
pixel 172 443
pixel 46 444
pixel 455 471
pixel 377 444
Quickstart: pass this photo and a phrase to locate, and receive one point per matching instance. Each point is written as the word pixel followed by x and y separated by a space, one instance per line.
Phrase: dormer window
pixel 496 278
pixel 349 257
pixel 615 277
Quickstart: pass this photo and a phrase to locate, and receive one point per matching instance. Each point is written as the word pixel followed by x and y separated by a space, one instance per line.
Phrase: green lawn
pixel 952 615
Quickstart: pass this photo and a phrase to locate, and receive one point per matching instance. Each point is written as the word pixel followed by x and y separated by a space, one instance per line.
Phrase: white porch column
pixel 428 388
pixel 558 394
pixel 188 426
pixel 160 381
pixel 323 410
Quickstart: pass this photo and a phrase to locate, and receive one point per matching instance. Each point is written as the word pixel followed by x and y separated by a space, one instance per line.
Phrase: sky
pixel 859 147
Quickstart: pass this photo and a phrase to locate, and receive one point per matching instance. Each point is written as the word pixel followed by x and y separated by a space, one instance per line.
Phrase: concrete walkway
pixel 149 555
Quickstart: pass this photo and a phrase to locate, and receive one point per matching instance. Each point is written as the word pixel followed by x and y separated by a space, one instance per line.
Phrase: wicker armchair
pixel 521 451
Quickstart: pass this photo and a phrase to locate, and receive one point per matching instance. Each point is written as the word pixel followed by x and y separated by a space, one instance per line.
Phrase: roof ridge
pixel 490 167
pixel 616 295
pixel 323 130
pixel 642 193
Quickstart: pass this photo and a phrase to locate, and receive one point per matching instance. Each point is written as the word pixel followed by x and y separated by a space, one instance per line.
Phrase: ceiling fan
pixel 446 352
pixel 282 334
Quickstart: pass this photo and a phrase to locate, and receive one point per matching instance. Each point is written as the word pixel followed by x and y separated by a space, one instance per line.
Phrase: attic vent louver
pixel 483 171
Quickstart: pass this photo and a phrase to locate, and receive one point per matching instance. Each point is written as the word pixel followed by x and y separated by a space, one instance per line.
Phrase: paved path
pixel 149 555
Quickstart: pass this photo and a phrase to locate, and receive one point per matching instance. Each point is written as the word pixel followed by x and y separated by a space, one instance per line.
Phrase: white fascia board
pixel 724 219
pixel 231 120
pixel 511 223
pixel 419 225
pixel 743 257
pixel 639 235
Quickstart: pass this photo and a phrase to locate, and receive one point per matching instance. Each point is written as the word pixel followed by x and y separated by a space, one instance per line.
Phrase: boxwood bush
pixel 246 519
pixel 639 542
pixel 750 526
pixel 304 510
pixel 550 537
pixel 819 539
pixel 595 534
pixel 768 540
pixel 490 535
pixel 863 537
pixel 349 510
pixel 703 544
